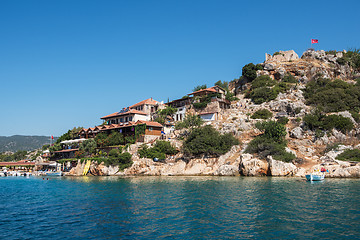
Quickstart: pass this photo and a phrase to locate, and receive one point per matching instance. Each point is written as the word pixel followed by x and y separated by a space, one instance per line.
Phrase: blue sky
pixel 68 63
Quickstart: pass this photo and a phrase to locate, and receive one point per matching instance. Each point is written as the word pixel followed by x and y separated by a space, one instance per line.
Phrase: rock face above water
pixel 250 166
pixel 279 168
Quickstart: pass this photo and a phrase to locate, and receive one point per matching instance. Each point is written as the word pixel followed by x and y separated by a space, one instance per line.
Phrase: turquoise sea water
pixel 178 208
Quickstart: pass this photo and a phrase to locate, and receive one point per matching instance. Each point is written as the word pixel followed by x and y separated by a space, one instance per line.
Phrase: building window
pixel 130 118
pixel 150 129
pixel 126 119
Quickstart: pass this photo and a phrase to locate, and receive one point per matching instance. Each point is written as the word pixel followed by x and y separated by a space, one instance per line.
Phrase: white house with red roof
pixel 126 115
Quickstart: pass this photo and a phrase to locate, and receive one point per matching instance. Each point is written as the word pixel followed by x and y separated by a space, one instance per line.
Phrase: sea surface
pixel 178 208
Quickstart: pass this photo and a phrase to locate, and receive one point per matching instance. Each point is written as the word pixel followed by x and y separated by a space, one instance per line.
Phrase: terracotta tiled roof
pixel 20 163
pixel 148 101
pixel 130 111
pixel 129 124
pixel 148 123
pixel 212 89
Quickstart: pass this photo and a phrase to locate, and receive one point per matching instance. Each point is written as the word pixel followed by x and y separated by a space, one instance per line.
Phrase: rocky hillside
pixel 314 135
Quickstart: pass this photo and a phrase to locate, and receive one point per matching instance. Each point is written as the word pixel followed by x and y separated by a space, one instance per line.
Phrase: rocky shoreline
pixel 234 163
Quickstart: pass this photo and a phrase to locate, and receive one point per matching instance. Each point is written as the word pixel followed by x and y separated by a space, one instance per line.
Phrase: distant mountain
pixel 19 142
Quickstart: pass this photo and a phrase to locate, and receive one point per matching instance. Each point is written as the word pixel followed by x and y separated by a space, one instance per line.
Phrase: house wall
pixel 138 117
pixel 180 114
pixel 155 131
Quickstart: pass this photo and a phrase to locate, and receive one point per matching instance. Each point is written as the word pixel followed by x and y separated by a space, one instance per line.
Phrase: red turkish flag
pixel 52 137
pixel 314 41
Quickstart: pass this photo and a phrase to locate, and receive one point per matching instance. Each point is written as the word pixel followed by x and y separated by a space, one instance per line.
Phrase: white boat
pixel 315 176
pixel 53 173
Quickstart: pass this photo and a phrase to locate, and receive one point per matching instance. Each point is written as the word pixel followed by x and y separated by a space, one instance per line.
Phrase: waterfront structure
pixel 211 112
pixel 23 164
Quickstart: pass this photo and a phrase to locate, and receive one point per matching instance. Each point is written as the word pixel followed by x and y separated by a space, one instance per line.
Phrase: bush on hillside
pixel 350 155
pixel 352 58
pixel 333 96
pixel 159 150
pixel 123 160
pixel 88 146
pixel 263 81
pixel 283 120
pixel 271 143
pixel 190 121
pixel 320 122
pixel 288 78
pixel 249 71
pixel 199 87
pixel 207 141
pixel 262 114
pixel 263 94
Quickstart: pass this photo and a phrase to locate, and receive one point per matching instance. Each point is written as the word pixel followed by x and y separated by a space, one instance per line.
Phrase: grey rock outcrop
pixel 297 133
pixel 250 166
pixel 227 170
pixel 282 56
pixel 279 168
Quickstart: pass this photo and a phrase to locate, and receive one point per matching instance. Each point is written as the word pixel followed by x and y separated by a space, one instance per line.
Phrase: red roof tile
pixel 149 123
pixel 148 101
pixel 131 111
pixel 212 89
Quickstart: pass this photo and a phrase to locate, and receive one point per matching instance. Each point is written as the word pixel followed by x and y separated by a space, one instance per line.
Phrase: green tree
pixel 224 84
pixel 199 87
pixel 262 114
pixel 190 121
pixel 88 147
pixel 206 140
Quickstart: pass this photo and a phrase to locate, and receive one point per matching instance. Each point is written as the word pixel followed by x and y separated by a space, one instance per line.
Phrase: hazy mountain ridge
pixel 20 142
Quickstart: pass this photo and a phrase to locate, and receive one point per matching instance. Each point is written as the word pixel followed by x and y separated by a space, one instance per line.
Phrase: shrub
pixel 230 97
pixel 159 150
pixel 356 116
pixel 263 94
pixel 199 87
pixel 263 81
pixel 190 121
pixel 281 87
pixel 352 58
pixel 271 142
pixel 249 71
pixel 288 78
pixel 333 96
pixel 264 146
pixel 318 121
pixel 283 120
pixel 206 140
pixel 272 130
pixel 88 146
pixel 350 155
pixel 224 84
pixel 262 114
pixel 200 105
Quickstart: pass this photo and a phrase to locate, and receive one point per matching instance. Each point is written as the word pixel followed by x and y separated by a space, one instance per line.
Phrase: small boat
pixel 315 177
pixel 53 173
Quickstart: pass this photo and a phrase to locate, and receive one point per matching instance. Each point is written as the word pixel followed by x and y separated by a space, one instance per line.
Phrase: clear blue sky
pixel 67 63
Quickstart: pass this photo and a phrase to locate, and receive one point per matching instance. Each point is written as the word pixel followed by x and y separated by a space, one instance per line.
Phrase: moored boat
pixel 53 173
pixel 315 177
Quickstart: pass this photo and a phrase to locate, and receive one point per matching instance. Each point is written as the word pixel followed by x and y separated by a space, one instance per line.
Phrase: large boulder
pixel 250 166
pixel 279 168
pixel 227 170
pixel 297 133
